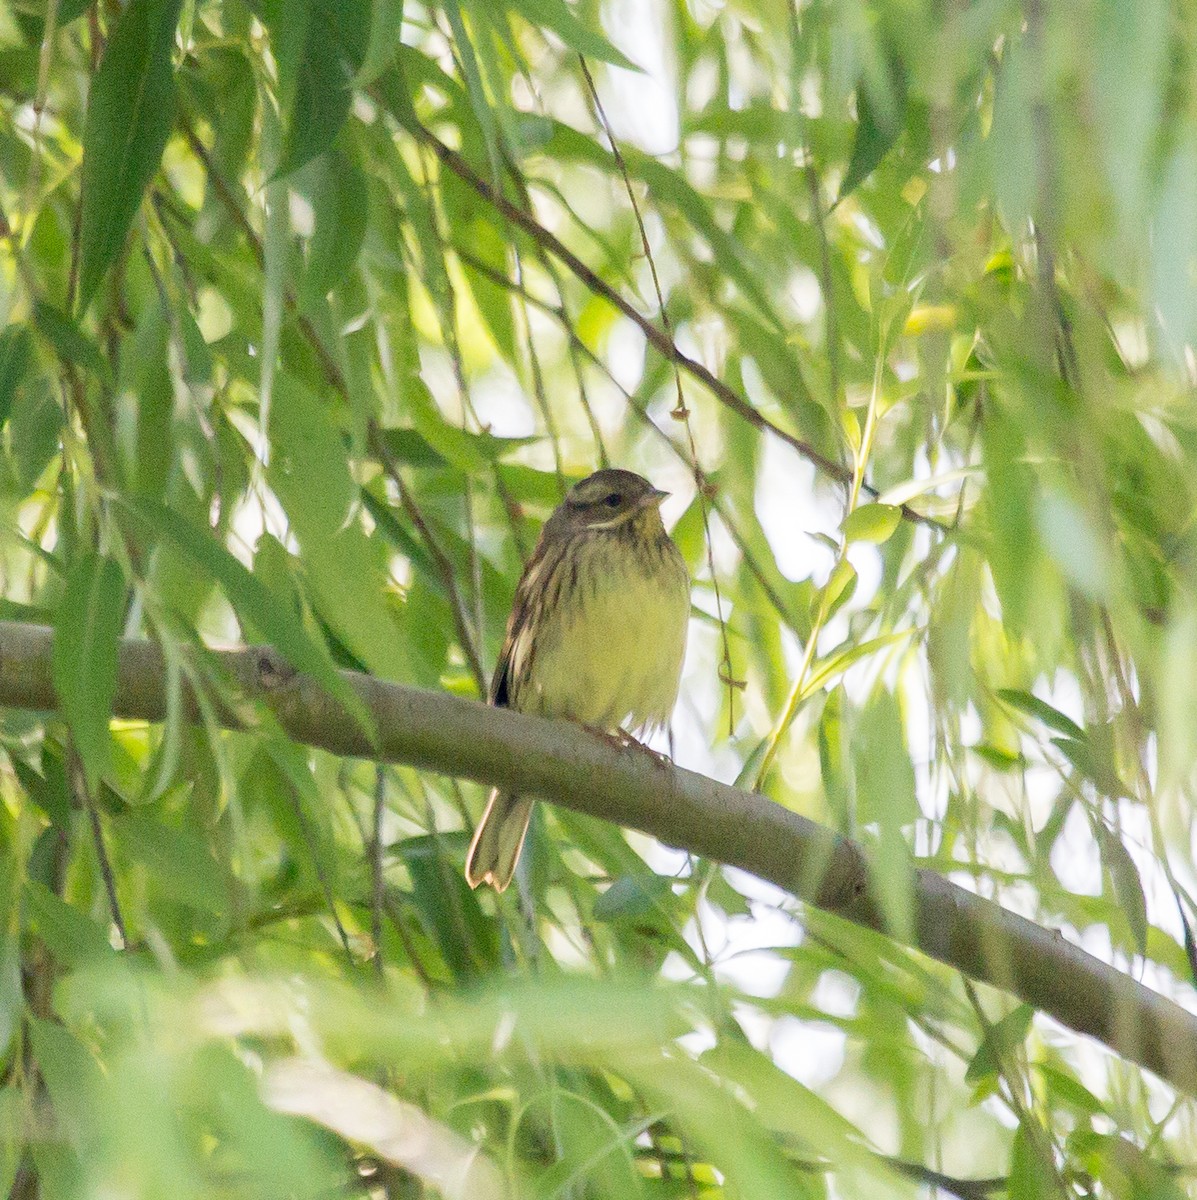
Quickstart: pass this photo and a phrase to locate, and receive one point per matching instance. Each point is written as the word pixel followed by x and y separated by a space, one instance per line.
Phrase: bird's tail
pixel 498 841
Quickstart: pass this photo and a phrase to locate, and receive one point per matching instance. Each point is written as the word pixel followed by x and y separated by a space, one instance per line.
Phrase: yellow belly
pixel 612 656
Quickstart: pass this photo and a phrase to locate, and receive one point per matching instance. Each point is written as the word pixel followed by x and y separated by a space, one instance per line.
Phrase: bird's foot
pixel 622 740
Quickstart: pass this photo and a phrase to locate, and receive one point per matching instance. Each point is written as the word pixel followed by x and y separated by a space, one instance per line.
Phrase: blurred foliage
pixel 311 311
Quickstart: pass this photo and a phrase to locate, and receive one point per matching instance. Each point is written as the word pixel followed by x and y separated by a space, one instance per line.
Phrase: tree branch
pixel 568 766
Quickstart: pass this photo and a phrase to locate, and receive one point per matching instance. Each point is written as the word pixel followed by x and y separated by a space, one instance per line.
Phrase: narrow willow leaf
pixel 1053 718
pixel 178 860
pixel 886 797
pixel 345 570
pixel 129 115
pixel 12 1000
pixel 72 1077
pixel 881 120
pixel 1030 1177
pixel 449 909
pixel 474 85
pixel 386 24
pixel 839 662
pixel 47 789
pixel 999 1042
pixel 71 937
pixel 1128 886
pixel 340 203
pixel 88 626
pixel 69 342
pixel 839 589
pixel 316 81
pixel 631 896
pixel 557 16
pixel 16 351
pixel 788 1107
pixel 1124 1168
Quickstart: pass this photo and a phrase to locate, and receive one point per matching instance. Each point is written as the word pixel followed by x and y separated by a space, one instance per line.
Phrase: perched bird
pixel 596 635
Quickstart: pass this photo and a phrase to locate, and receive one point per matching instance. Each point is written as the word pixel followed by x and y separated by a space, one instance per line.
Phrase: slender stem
pixel 78 781
pixel 377 882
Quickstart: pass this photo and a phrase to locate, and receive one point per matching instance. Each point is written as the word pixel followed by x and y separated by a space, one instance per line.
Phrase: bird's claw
pixel 622 740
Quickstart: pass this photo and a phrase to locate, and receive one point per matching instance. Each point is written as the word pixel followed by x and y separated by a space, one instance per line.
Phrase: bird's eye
pixel 612 500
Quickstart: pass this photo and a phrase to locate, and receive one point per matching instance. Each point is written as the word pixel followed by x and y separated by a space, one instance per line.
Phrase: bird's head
pixel 609 499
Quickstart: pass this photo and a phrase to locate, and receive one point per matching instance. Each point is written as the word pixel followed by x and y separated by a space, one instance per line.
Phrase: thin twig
pixel 86 801
pixel 377 883
pixel 321 876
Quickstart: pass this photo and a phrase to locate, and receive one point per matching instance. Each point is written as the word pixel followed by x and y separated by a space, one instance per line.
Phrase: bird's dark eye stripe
pixel 612 500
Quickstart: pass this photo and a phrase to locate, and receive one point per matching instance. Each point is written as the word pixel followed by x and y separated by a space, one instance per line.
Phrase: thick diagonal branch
pixel 566 765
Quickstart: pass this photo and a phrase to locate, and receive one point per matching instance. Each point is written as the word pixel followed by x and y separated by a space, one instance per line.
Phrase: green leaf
pixel 1030 1178
pixel 1124 1168
pixel 13 1103
pixel 1053 718
pixel 1094 763
pixel 89 623
pixel 450 909
pixel 881 113
pixel 69 342
pixel 178 861
pixel 841 660
pixel 129 115
pixel 835 758
pixel 346 570
pixel 1061 1086
pixel 71 937
pixel 255 605
pixel 872 523
pixel 145 433
pixel 316 73
pixel 411 448
pixel 386 24
pixel 475 89
pixel 631 896
pixel 48 790
pixel 885 789
pixel 16 350
pixel 73 1078
pixel 1002 1038
pixel 12 1000
pixel 340 205
pixel 838 590
pixel 1128 887
pixel 557 16
pixel 788 1107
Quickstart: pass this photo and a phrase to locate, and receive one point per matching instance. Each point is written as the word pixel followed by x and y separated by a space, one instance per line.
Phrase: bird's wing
pixel 518 644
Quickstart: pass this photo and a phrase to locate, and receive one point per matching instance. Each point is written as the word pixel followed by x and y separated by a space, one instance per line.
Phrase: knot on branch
pixel 271 670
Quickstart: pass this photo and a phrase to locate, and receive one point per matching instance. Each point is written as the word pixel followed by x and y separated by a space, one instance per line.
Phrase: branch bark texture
pixel 568 766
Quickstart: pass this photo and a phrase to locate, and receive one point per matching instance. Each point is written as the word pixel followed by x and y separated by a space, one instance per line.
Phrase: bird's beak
pixel 654 497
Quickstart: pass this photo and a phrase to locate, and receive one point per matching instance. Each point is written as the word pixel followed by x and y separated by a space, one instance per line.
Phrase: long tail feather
pixel 498 841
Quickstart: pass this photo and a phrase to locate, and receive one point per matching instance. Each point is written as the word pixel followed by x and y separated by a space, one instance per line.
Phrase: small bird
pixel 597 634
